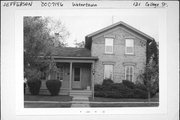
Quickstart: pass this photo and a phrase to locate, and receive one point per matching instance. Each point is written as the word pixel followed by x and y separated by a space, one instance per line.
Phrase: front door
pixel 76 83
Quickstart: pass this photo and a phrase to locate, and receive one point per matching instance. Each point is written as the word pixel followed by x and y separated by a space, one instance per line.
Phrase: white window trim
pixel 112 71
pixel 132 47
pixel 106 52
pixel 132 72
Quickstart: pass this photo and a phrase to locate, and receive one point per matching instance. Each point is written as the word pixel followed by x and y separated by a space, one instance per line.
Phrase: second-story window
pixel 129 48
pixel 109 45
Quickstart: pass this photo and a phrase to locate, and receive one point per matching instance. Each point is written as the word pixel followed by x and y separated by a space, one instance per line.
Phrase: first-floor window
pixel 108 72
pixel 60 73
pixel 129 71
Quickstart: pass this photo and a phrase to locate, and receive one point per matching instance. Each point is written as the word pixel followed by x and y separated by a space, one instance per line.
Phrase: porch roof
pixel 75 58
pixel 70 52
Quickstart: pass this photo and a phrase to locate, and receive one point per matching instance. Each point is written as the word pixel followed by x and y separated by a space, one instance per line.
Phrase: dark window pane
pixel 76 74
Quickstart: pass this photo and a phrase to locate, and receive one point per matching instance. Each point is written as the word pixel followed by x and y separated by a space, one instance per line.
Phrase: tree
pixel 152 52
pixel 39 40
pixel 58 31
pixel 79 44
pixel 150 76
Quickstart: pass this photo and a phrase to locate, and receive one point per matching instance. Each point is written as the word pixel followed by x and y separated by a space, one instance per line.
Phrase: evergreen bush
pixel 53 86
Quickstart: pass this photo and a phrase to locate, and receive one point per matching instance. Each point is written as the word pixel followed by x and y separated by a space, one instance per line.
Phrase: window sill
pixel 109 54
pixel 129 54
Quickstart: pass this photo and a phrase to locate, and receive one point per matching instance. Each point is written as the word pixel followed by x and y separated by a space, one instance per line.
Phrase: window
pixel 129 46
pixel 129 71
pixel 109 45
pixel 59 73
pixel 76 74
pixel 108 72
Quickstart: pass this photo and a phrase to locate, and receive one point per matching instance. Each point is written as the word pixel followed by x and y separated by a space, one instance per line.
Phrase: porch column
pixel 92 79
pixel 70 76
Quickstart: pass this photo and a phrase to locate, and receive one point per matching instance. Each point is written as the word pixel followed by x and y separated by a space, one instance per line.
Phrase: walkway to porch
pixel 80 101
pixel 80 98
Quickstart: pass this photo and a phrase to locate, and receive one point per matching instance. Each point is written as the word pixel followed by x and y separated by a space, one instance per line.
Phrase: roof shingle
pixel 70 52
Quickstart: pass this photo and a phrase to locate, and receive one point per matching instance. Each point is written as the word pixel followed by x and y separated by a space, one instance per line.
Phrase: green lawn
pixel 62 98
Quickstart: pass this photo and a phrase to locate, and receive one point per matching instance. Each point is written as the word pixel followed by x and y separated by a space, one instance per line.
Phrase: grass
pixel 46 105
pixel 123 102
pixel 124 105
pixel 97 102
pixel 102 99
pixel 55 101
pixel 62 98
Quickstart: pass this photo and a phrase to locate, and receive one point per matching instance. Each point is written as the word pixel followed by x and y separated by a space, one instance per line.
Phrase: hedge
pixel 129 84
pixel 34 86
pixel 53 86
pixel 126 89
pixel 107 82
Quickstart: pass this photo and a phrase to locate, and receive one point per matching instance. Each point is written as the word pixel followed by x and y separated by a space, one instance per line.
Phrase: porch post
pixel 70 76
pixel 92 80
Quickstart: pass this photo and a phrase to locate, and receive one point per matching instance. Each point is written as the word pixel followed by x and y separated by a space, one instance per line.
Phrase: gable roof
pixel 123 24
pixel 88 38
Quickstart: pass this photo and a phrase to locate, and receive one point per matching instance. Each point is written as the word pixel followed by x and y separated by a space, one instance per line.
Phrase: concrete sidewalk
pixel 80 101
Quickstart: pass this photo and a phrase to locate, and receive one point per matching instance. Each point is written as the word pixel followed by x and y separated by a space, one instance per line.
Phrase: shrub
pixel 141 86
pixel 34 86
pixel 24 88
pixel 153 92
pixel 138 93
pixel 107 82
pixel 122 91
pixel 119 90
pixel 129 84
pixel 114 90
pixel 99 93
pixel 98 87
pixel 53 86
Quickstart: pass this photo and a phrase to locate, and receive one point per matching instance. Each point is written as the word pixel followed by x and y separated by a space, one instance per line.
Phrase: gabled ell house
pixel 117 52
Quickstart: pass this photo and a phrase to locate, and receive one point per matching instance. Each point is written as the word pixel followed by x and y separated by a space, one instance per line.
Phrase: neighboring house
pixel 117 52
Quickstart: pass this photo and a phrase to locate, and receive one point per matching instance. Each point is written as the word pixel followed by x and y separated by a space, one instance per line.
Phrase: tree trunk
pixel 149 96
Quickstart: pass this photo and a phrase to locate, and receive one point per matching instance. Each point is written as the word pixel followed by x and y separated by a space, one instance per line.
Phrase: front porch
pixel 76 75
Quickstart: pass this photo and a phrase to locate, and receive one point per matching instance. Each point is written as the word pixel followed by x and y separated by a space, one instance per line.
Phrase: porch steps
pixel 80 98
pixel 80 101
pixel 80 93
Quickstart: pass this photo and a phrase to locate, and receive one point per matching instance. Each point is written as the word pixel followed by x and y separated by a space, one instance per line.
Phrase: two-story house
pixel 117 52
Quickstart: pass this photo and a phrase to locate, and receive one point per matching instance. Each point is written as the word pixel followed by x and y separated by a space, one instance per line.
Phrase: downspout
pixel 93 72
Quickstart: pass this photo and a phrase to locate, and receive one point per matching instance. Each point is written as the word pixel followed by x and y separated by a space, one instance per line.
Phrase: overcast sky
pixel 80 26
